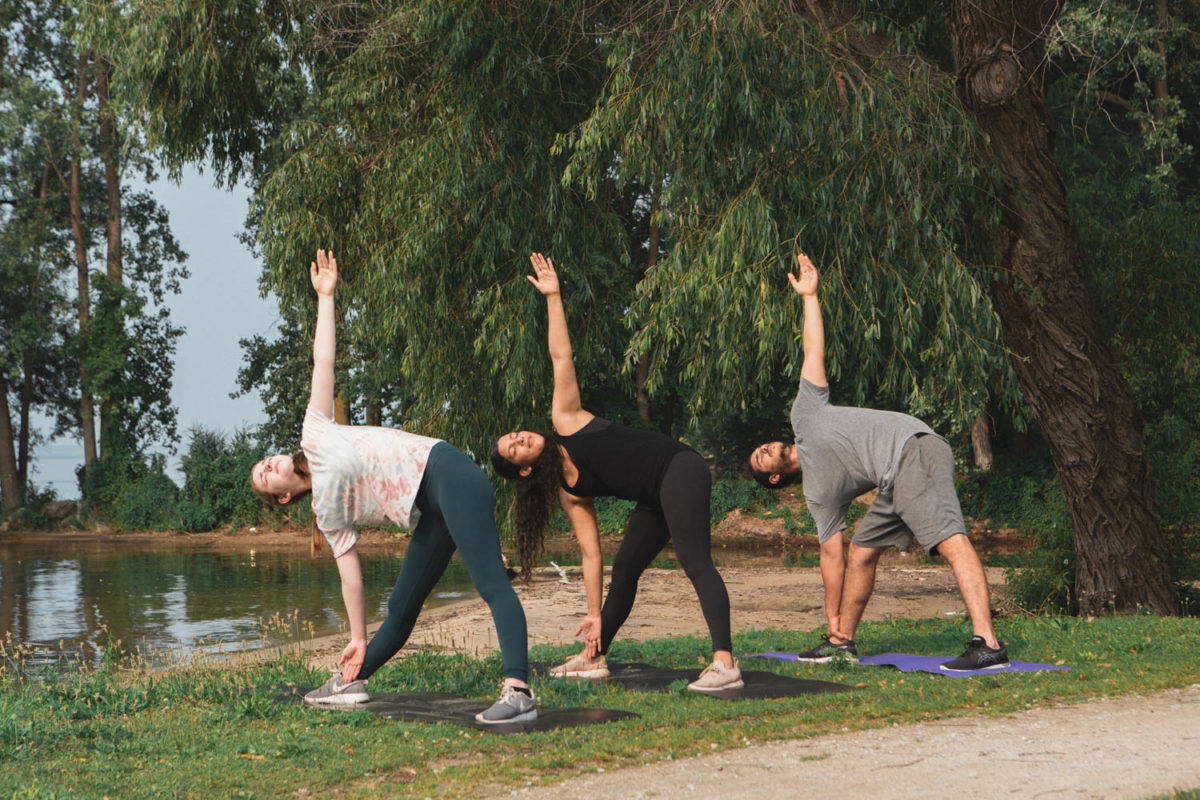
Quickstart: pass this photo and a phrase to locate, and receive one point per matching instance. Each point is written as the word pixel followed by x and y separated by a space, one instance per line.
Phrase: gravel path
pixel 1127 747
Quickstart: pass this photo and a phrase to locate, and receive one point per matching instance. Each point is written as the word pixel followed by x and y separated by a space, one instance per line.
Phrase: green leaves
pixel 433 147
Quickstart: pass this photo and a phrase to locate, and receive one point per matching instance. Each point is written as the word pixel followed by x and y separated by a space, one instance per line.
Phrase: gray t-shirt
pixel 844 452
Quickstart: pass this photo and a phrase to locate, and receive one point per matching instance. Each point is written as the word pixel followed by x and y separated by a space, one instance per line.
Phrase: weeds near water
pixel 286 632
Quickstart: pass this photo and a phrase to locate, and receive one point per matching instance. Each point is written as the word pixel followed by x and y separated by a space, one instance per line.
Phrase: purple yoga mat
pixel 933 664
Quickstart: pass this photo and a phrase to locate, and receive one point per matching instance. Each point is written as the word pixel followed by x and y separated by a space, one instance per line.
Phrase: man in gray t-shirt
pixel 843 452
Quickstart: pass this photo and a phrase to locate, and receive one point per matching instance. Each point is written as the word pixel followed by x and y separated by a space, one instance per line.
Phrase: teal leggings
pixel 457 511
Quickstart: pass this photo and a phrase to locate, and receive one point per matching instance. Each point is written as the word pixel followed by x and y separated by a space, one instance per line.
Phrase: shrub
pixel 1043 578
pixel 195 517
pixel 737 493
pixel 216 489
pixel 149 503
pixel 1025 494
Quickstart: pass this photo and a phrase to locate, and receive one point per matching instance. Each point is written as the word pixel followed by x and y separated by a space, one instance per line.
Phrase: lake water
pixel 69 599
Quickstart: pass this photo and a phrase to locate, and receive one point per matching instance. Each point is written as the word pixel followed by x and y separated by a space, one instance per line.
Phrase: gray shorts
pixel 922 505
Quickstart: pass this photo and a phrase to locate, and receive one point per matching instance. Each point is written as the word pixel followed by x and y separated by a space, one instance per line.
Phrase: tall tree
pixel 1071 380
pixel 74 162
pixel 752 124
pixel 762 127
pixel 33 225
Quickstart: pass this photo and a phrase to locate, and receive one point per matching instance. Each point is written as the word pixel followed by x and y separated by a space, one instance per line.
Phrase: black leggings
pixel 682 517
pixel 457 511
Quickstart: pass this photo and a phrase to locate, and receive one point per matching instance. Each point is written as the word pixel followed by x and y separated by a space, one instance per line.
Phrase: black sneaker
pixel 827 651
pixel 978 656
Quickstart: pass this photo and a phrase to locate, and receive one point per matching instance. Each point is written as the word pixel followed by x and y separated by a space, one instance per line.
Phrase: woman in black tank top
pixel 587 457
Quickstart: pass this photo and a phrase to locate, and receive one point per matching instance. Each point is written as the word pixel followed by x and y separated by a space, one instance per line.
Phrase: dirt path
pixel 759 597
pixel 1128 747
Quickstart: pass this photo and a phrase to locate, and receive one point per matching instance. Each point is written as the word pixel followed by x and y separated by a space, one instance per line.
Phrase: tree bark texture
pixel 981 440
pixel 10 488
pixel 1083 404
pixel 86 412
pixel 112 182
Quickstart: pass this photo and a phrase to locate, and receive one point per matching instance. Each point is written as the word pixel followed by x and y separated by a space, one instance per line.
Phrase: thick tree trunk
pixel 75 201
pixel 10 489
pixel 1084 406
pixel 112 182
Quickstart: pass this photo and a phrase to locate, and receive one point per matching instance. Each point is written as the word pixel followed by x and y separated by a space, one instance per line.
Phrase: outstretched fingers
pixel 804 280
pixel 323 272
pixel 544 279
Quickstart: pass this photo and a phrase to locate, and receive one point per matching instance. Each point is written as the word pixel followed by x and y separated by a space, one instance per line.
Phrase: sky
pixel 219 304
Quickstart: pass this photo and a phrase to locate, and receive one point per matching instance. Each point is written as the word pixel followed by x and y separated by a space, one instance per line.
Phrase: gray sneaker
pixel 716 678
pixel 578 666
pixel 335 693
pixel 514 705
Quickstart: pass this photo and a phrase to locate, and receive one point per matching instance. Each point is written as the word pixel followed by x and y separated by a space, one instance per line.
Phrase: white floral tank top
pixel 362 475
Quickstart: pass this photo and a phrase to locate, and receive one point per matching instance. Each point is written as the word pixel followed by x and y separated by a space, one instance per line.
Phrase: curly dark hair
pixel 534 502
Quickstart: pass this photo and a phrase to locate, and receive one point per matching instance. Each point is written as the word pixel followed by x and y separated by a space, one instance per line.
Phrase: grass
pixel 196 732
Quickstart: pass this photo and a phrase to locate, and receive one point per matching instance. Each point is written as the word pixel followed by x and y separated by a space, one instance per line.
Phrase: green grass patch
pixel 200 733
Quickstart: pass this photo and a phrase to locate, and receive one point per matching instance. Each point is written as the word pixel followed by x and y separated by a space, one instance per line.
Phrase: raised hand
pixel 323 272
pixel 807 282
pixel 544 279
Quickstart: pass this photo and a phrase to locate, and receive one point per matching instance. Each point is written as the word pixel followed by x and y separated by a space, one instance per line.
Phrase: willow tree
pixel 1068 375
pixel 777 130
pixel 433 146
pixel 431 191
pixel 436 146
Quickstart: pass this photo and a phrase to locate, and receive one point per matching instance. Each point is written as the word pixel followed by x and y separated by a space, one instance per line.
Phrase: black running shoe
pixel 827 651
pixel 978 656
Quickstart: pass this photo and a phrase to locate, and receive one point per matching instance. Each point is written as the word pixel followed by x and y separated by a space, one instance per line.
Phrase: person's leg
pixel 458 490
pixel 685 495
pixel 833 577
pixel 428 553
pixel 860 582
pixel 972 583
pixel 644 538
pixel 925 498
pixel 880 527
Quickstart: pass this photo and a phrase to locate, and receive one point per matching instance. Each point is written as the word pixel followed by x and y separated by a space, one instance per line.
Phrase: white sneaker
pixel 336 693
pixel 717 677
pixel 580 667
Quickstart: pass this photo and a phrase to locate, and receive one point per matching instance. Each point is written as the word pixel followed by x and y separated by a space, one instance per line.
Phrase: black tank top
pixel 618 461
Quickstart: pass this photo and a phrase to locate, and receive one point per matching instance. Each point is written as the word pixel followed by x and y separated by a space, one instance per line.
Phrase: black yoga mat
pixel 759 683
pixel 437 707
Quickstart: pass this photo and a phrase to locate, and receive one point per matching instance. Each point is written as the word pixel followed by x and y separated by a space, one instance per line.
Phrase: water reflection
pixel 69 599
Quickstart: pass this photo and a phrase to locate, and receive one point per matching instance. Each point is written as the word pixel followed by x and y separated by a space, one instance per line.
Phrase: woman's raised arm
pixel 323 272
pixel 566 409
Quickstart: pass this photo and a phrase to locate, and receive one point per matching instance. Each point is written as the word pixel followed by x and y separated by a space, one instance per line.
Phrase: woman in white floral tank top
pixel 369 475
